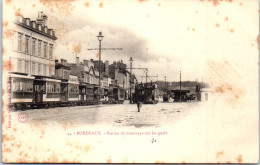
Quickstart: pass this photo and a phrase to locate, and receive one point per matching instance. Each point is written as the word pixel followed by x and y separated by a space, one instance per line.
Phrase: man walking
pixel 139 102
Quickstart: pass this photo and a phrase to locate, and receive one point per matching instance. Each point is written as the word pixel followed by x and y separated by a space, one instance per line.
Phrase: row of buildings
pixel 33 56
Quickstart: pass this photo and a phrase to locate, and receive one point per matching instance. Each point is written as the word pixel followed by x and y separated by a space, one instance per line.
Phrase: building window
pixel 36 69
pixel 45 50
pixel 19 67
pixel 50 70
pixel 20 42
pixel 39 48
pixel 44 69
pixel 56 73
pixel 26 67
pixel 33 46
pixel 39 69
pixel 27 44
pixel 50 51
pixel 47 70
pixel 33 68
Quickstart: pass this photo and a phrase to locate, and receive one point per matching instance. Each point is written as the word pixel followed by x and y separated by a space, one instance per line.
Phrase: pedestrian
pixel 139 102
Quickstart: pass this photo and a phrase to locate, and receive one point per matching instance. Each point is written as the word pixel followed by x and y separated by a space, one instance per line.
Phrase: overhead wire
pixel 72 23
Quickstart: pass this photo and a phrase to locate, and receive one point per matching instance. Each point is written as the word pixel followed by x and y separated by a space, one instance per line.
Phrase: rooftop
pixel 36 26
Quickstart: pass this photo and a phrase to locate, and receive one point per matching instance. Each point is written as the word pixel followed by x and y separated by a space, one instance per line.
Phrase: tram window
pixel 17 85
pixel 42 88
pixel 89 91
pixel 22 86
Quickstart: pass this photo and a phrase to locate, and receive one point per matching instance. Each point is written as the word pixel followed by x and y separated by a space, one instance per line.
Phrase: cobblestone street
pixel 113 115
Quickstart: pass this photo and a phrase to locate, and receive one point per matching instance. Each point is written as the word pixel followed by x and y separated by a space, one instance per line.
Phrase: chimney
pixel 85 62
pixel 106 67
pixel 44 17
pixel 40 19
pixel 62 61
pixel 77 60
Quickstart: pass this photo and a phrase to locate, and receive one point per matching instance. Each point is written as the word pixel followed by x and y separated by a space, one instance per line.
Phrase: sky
pixel 162 35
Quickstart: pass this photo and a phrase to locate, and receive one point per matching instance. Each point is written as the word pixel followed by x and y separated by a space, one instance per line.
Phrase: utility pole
pixel 180 86
pixel 165 83
pixel 131 66
pixel 146 85
pixel 100 38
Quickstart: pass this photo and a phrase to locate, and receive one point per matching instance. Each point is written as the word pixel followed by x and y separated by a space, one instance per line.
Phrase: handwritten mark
pixel 153 140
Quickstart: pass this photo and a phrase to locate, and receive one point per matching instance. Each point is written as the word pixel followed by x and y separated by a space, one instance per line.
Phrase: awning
pixel 64 82
pixel 73 82
pixel 21 76
pixel 89 86
pixel 82 84
pixel 53 80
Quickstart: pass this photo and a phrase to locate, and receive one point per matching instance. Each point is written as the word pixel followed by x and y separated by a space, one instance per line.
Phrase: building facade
pixel 32 45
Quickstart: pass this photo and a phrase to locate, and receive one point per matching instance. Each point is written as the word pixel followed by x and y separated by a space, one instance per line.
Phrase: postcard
pixel 132 81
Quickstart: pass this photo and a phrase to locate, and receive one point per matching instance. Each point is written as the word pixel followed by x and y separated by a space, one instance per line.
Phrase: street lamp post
pixel 131 63
pixel 100 38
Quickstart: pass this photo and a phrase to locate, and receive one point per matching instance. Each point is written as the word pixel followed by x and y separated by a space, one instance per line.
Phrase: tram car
pixel 22 91
pixel 181 95
pixel 147 93
pixel 47 92
pixel 116 95
pixel 89 95
pixel 111 97
pixel 82 94
pixel 73 91
pixel 105 100
pixel 44 92
pixel 102 96
pixel 166 97
pixel 120 95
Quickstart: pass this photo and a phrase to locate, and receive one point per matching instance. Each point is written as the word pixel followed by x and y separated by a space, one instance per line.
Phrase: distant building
pixel 62 70
pixel 103 65
pixel 121 76
pixel 88 77
pixel 180 94
pixel 85 71
pixel 205 94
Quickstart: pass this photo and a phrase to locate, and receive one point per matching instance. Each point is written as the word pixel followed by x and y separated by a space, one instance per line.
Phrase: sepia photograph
pixel 131 81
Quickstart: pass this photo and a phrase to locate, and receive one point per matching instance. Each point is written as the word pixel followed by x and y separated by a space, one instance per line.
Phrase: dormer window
pixel 33 24
pixel 28 22
pixel 45 30
pixel 50 32
pixel 40 27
